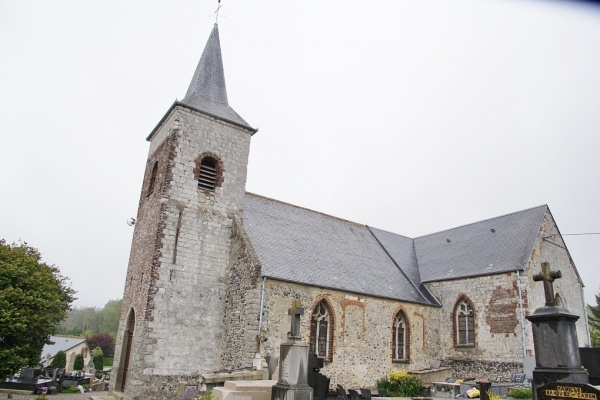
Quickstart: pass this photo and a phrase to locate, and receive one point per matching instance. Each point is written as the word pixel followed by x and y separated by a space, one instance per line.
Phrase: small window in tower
pixel 152 178
pixel 207 178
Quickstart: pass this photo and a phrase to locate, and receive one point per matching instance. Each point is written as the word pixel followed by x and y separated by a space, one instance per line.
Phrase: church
pixel 214 269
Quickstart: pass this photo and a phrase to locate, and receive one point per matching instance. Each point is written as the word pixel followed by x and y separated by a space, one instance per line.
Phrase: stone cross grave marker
pixel 295 312
pixel 548 277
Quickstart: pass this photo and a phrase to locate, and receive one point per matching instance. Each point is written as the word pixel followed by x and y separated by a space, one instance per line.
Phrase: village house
pixel 71 346
pixel 213 270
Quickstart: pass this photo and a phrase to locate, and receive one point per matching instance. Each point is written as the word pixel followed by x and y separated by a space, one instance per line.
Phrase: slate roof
pixel 63 343
pixel 298 245
pixel 487 247
pixel 207 92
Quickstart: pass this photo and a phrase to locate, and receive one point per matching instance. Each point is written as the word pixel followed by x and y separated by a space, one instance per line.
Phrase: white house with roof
pixel 71 346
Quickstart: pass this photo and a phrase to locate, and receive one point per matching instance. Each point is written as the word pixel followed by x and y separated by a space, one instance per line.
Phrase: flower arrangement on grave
pixel 401 383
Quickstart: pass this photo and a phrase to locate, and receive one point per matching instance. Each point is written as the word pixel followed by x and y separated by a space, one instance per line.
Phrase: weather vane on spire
pixel 217 11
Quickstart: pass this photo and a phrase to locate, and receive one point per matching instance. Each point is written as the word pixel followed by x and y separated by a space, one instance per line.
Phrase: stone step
pixel 101 397
pixel 250 385
pixel 108 396
pixel 244 390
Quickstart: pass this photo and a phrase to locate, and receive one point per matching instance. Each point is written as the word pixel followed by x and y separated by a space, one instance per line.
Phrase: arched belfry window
pixel 400 334
pixel 208 171
pixel 152 178
pixel 464 323
pixel 207 178
pixel 321 331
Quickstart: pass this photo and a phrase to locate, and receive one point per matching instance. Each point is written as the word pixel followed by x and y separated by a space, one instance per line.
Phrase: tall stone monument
pixel 554 339
pixel 293 364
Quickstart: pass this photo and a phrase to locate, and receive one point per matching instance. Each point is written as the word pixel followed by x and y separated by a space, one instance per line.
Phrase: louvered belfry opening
pixel 207 178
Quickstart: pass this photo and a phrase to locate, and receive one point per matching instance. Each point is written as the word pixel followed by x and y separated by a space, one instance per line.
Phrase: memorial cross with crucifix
pixel 295 312
pixel 548 277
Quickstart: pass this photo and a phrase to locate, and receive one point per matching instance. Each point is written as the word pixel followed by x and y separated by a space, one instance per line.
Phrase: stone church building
pixel 213 270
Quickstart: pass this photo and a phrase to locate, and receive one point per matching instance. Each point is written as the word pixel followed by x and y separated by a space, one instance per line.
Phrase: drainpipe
pixel 522 314
pixel 587 323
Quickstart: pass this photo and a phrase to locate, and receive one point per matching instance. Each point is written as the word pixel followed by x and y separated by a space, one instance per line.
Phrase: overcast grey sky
pixel 409 116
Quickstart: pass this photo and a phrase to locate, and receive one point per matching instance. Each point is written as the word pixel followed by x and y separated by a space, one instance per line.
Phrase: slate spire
pixel 207 92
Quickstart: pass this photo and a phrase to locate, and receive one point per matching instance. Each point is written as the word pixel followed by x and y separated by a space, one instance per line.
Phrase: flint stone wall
pixel 495 301
pixel 493 371
pixel 362 337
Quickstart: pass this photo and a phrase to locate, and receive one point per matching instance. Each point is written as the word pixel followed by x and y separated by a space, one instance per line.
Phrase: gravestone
pixel 316 380
pixel 29 379
pixel 554 339
pixel 293 365
pixel 271 365
pixel 562 391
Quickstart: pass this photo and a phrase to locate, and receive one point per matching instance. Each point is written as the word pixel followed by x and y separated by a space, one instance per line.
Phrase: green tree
pixel 90 321
pixel 59 360
pixel 110 317
pixel 594 321
pixel 78 363
pixel 98 358
pixel 34 298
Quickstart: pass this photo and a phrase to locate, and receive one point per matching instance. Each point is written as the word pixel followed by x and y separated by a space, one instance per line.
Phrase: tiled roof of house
pixel 63 343
pixel 298 245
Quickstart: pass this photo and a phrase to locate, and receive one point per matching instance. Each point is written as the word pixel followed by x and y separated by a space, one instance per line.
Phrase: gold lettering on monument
pixel 569 392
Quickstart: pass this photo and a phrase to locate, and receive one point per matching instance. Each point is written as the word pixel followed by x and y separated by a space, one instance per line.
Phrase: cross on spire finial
pixel 217 11
pixel 548 277
pixel 295 312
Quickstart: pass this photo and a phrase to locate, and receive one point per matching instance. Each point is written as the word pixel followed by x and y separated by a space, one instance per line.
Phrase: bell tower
pixel 171 321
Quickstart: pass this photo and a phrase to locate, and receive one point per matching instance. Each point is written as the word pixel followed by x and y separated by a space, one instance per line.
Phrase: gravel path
pixel 62 396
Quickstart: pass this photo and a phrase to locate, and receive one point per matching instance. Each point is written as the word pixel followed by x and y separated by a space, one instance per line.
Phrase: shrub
pixel 521 393
pixel 71 389
pixel 59 360
pixel 98 358
pixel 401 383
pixel 41 397
pixel 78 364
pixel 386 385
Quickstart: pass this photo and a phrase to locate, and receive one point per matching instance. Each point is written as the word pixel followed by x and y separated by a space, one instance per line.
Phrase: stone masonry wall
pixel 145 248
pixel 495 299
pixel 569 288
pixel 493 371
pixel 362 338
pixel 242 304
pixel 182 334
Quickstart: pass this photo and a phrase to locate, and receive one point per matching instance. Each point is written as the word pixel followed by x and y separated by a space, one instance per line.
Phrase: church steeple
pixel 190 210
pixel 207 92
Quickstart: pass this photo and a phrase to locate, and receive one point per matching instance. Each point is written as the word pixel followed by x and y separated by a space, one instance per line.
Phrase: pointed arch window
pixel 464 322
pixel 321 331
pixel 207 177
pixel 400 333
pixel 152 178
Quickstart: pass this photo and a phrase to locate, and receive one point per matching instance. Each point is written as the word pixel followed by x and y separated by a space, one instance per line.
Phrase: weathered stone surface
pixel 179 278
